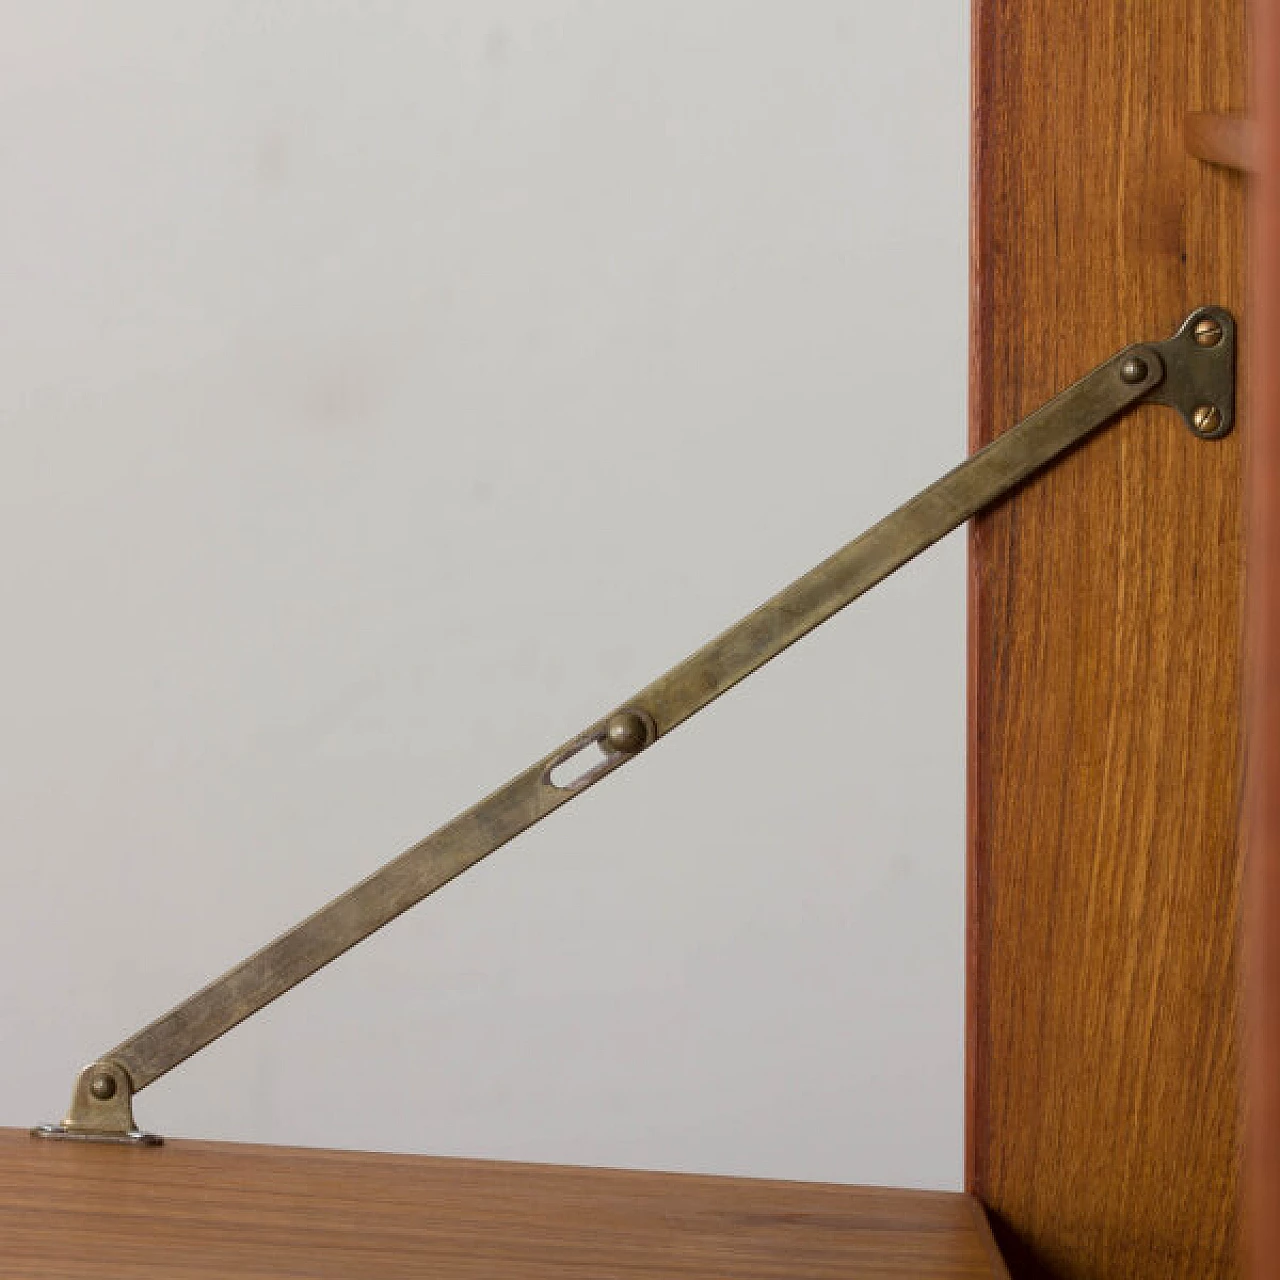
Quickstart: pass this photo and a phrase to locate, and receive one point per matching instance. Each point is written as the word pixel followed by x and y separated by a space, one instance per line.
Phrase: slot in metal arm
pixel 1193 371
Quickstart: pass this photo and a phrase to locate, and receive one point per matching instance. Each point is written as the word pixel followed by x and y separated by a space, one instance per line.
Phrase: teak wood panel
pixel 1263 684
pixel 210 1211
pixel 1106 620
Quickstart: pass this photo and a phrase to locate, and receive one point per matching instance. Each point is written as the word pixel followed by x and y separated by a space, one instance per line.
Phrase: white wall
pixel 388 389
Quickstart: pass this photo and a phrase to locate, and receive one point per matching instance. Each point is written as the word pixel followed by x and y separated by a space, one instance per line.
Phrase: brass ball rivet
pixel 1208 332
pixel 626 731
pixel 103 1087
pixel 1207 418
pixel 1134 369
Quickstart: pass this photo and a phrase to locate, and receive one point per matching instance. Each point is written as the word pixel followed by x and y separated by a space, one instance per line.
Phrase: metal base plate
pixel 130 1137
pixel 1200 372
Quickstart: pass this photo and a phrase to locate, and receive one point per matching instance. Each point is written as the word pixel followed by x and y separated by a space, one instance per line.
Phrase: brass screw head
pixel 1207 418
pixel 1134 369
pixel 626 731
pixel 103 1087
pixel 1208 332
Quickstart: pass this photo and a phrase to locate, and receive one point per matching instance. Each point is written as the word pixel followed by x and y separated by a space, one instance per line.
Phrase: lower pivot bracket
pixel 101 1109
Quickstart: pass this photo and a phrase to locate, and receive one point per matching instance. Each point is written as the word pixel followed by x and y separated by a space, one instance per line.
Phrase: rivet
pixel 103 1087
pixel 1207 418
pixel 1134 369
pixel 1208 332
pixel 626 731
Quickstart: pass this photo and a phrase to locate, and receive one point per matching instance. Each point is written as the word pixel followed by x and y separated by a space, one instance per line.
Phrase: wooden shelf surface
pixel 205 1209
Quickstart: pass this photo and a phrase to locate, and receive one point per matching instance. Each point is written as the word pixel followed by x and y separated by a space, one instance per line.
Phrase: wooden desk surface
pixel 221 1210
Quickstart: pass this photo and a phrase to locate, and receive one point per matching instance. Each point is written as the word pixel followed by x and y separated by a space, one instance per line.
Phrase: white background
pixel 387 390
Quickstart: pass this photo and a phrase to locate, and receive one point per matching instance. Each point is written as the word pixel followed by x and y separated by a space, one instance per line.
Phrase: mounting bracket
pixel 1193 371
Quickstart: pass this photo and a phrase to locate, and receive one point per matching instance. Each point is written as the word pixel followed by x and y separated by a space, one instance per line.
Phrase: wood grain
pixel 1263 684
pixel 1106 619
pixel 208 1211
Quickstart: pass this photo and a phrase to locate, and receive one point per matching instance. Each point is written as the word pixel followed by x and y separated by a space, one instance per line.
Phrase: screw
pixel 1134 369
pixel 1208 332
pixel 1207 418
pixel 626 731
pixel 103 1087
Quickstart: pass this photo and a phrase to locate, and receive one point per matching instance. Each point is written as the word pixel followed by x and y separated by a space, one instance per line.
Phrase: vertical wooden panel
pixel 1263 689
pixel 1106 621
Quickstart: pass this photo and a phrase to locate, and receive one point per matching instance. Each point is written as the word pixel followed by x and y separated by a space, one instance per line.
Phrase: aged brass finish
pixel 1208 332
pixel 1197 375
pixel 1207 419
pixel 1181 371
pixel 103 1087
pixel 626 731
pixel 101 1109
pixel 1134 369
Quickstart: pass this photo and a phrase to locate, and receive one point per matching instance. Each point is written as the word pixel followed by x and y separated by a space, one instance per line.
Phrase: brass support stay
pixel 1193 371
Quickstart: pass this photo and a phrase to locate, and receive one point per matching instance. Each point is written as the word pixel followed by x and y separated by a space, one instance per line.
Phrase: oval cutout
pixel 580 766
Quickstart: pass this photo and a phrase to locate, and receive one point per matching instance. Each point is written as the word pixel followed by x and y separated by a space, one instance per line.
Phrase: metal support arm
pixel 1193 371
